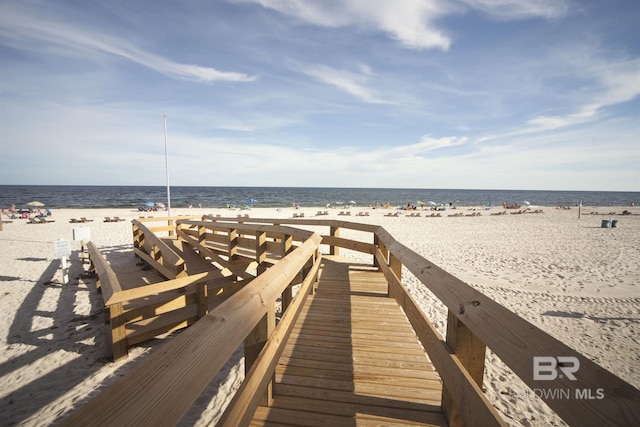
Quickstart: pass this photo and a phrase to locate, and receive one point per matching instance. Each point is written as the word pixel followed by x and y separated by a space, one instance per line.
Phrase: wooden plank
pixel 363 416
pixel 419 378
pixel 353 349
pixel 399 361
pixel 351 397
pixel 156 288
pixel 146 329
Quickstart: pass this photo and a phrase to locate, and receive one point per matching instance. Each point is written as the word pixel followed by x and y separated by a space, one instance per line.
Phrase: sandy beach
pixel 572 278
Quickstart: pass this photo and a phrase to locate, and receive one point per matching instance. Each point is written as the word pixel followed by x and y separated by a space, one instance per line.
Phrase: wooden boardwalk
pixel 353 359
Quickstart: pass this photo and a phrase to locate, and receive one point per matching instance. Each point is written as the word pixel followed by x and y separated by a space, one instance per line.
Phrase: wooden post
pixel 471 353
pixel 202 299
pixel 287 244
pixel 118 333
pixel 261 251
pixel 396 267
pixel 383 250
pixel 255 342
pixel 202 238
pixel 334 232
pixel 233 245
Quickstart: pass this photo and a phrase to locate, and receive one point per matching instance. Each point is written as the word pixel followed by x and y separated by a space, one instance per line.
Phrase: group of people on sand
pixel 510 206
pixel 25 213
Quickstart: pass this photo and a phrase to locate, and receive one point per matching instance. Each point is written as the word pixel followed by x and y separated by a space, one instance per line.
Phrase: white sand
pixel 575 280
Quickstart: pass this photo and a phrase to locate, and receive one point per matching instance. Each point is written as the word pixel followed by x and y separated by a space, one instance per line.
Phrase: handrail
pixel 151 248
pixel 163 387
pixel 241 408
pixel 160 287
pixel 108 283
pixel 114 296
pixel 517 343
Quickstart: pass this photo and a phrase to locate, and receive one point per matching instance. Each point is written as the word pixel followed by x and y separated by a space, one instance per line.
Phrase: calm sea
pixel 215 197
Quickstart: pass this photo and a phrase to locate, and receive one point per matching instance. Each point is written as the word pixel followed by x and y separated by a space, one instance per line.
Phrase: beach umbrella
pixel 160 205
pixel 431 202
pixel 149 204
pixel 526 203
pixel 352 202
pixel 35 204
pixel 252 201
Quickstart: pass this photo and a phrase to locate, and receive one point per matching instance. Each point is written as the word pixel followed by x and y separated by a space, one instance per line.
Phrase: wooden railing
pixel 150 247
pixel 120 306
pixel 163 387
pixel 475 323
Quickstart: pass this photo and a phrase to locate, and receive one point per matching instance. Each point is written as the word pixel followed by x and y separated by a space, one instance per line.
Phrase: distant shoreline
pixel 133 197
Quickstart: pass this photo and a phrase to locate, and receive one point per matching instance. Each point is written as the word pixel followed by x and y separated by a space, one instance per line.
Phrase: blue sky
pixel 474 94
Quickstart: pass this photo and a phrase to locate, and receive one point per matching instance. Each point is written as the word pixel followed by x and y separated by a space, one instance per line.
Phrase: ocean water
pixel 71 196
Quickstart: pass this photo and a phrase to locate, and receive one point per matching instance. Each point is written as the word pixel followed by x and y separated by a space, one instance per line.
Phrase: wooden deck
pixel 353 359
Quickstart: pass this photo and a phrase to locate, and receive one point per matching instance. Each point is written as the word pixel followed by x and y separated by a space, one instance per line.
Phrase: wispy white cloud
pixel 611 83
pixel 519 9
pixel 411 22
pixel 428 143
pixel 347 81
pixel 22 28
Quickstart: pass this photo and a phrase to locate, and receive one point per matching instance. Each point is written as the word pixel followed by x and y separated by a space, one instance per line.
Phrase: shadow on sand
pixel 83 334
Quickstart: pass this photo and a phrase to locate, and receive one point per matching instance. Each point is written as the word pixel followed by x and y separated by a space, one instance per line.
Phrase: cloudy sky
pixel 473 94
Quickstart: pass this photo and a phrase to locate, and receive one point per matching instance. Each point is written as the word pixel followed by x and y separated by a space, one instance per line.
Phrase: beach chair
pixel 33 221
pixel 118 219
pixel 73 220
pixel 43 220
pixel 107 219
pixel 83 219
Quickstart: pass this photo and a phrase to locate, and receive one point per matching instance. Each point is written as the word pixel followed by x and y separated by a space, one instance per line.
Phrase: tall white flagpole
pixel 166 166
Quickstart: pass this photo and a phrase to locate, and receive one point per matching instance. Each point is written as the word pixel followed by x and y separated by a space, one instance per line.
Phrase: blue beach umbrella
pixel 252 201
pixel 149 204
